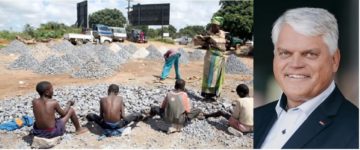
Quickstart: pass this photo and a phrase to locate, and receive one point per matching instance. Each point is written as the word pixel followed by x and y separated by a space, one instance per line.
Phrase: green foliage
pixel 29 30
pixel 8 35
pixel 48 30
pixel 238 17
pixel 52 26
pixel 191 31
pixel 153 33
pixel 156 33
pixel 169 29
pixel 45 31
pixel 109 17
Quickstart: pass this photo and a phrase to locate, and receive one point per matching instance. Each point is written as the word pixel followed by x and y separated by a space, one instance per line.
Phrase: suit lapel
pixel 318 120
pixel 265 130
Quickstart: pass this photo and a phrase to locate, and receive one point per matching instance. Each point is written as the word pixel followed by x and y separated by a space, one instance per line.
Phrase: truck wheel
pixel 107 42
pixel 85 41
pixel 79 42
pixel 73 42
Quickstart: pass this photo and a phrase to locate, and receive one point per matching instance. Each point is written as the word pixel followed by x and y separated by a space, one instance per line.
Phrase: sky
pixel 14 14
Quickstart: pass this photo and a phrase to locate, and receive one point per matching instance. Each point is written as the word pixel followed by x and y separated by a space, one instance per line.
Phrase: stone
pixel 235 132
pixel 42 143
pixel 235 66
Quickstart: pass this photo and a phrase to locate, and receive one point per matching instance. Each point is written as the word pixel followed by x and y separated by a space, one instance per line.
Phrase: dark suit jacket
pixel 339 127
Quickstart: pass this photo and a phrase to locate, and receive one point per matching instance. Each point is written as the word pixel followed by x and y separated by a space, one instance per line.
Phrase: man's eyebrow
pixel 282 49
pixel 311 50
pixel 302 51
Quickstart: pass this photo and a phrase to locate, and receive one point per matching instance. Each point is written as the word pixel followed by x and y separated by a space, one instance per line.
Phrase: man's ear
pixel 47 92
pixel 336 60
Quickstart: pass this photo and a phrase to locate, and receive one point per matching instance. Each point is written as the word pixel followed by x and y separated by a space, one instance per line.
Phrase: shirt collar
pixel 310 105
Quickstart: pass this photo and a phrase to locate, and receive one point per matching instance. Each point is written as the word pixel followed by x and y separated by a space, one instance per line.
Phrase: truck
pixel 184 40
pixel 137 36
pixel 98 34
pixel 118 34
pixel 233 41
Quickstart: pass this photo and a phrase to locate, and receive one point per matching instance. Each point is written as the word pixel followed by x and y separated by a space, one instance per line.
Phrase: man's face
pixel 303 65
pixel 215 28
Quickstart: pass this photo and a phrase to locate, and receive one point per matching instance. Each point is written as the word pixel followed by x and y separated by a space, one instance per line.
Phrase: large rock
pixel 39 142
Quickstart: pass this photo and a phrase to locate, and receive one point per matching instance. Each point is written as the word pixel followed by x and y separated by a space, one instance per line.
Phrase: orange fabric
pixel 19 122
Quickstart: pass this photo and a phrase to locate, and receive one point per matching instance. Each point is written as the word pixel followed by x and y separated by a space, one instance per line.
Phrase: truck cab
pixel 102 33
pixel 118 34
pixel 101 30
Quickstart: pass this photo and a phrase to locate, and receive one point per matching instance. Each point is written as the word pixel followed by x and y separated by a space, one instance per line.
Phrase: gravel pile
pixel 197 133
pixel 235 66
pixel 163 50
pixel 15 47
pixel 53 65
pixel 92 69
pixel 84 52
pixel 198 129
pixel 197 55
pixel 41 51
pixel 131 48
pixel 109 58
pixel 141 53
pixel 154 54
pixel 124 54
pixel 25 61
pixel 184 59
pixel 63 46
pixel 72 60
pixel 114 47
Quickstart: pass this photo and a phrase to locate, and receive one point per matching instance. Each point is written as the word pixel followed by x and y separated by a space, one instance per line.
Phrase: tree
pixel 191 31
pixel 238 17
pixel 52 26
pixel 171 30
pixel 153 33
pixel 167 29
pixel 109 17
pixel 29 30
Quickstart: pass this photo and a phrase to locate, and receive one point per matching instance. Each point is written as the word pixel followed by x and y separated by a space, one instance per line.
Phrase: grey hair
pixel 310 22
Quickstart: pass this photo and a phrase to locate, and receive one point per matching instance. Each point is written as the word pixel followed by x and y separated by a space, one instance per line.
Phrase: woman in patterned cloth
pixel 214 61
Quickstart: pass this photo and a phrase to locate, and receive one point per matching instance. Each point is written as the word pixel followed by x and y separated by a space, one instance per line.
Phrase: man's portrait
pixel 311 110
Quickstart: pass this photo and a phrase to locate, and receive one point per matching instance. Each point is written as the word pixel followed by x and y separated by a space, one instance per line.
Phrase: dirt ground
pixel 135 72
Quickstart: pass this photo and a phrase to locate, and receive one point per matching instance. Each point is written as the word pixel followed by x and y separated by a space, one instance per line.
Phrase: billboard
pixel 82 20
pixel 150 14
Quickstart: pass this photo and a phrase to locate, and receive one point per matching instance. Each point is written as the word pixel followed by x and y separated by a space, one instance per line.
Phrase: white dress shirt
pixel 289 121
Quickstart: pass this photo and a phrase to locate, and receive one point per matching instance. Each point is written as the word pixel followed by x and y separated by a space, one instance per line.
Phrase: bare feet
pixel 81 130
